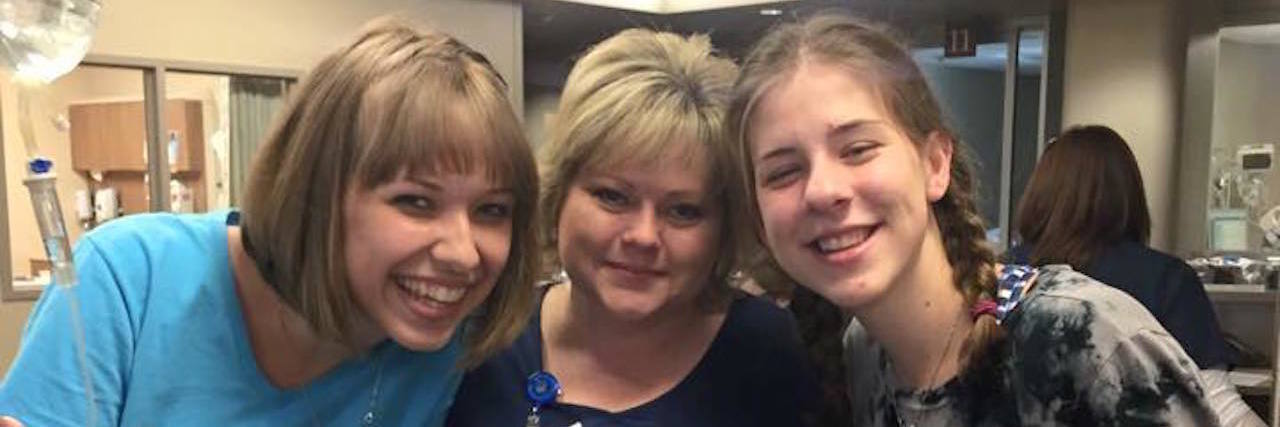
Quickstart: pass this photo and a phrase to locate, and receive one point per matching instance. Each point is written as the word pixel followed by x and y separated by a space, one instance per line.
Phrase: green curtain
pixel 253 107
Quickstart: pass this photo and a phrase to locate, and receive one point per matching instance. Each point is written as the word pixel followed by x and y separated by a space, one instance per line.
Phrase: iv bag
pixel 40 40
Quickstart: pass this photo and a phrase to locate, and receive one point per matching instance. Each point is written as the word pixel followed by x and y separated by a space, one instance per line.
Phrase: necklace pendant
pixel 369 419
pixel 532 421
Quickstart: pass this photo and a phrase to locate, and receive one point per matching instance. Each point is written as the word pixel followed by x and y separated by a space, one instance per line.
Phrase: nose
pixel 827 187
pixel 455 246
pixel 642 233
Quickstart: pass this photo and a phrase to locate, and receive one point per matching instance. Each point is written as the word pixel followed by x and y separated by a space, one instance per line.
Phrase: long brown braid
pixel 972 261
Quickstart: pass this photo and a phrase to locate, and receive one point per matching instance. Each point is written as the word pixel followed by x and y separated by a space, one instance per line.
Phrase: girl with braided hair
pixel 862 194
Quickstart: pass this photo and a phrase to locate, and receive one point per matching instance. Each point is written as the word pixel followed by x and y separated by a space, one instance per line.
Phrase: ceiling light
pixel 770 12
pixel 667 7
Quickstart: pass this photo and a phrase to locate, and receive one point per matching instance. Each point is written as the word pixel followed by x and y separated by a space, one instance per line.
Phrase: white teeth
pixel 424 289
pixel 843 241
pixel 445 294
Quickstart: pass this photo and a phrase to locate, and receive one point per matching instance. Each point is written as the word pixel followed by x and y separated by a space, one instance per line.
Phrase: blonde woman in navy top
pixel 644 328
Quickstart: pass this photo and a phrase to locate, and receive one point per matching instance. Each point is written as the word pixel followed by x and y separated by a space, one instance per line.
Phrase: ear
pixel 938 148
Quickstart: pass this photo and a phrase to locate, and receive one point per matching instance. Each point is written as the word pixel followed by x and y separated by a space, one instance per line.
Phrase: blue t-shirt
pixel 167 345
pixel 754 373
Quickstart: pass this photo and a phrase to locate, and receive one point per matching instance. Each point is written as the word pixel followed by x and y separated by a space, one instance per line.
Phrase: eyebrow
pixel 777 152
pixel 628 186
pixel 424 183
pixel 428 184
pixel 504 191
pixel 846 127
pixel 851 126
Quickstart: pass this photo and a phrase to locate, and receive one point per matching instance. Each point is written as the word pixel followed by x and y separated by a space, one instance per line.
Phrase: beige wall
pixel 538 110
pixel 296 33
pixel 289 34
pixel 1124 66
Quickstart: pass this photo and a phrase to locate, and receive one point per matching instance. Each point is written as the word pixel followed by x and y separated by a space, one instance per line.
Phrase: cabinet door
pixel 125 136
pixel 87 150
pixel 112 136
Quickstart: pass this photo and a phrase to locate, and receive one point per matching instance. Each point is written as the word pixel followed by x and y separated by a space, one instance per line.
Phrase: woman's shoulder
pixel 1067 301
pixel 758 311
pixel 139 251
pixel 504 373
pixel 757 325
pixel 159 233
pixel 1073 330
pixel 1078 324
pixel 174 265
pixel 1130 260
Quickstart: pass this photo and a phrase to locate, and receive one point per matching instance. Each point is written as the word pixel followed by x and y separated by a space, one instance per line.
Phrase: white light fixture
pixel 770 12
pixel 673 6
pixel 1253 34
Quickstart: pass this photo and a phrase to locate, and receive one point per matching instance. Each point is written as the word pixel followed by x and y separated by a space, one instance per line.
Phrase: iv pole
pixel 40 41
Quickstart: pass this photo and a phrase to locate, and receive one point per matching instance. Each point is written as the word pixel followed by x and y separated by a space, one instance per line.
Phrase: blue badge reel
pixel 541 389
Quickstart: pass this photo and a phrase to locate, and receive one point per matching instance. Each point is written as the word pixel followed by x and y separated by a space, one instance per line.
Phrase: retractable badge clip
pixel 541 389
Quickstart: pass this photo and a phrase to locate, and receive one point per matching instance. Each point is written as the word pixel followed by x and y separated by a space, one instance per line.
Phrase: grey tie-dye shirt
pixel 1078 353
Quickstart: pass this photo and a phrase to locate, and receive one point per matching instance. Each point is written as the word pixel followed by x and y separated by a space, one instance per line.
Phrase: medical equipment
pixel 41 40
pixel 1240 200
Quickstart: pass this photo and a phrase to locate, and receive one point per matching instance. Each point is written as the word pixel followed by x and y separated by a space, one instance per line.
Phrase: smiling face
pixel 843 192
pixel 424 251
pixel 640 237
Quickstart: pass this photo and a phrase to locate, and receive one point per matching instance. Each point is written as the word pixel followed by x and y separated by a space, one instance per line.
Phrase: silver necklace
pixel 370 418
pixel 893 398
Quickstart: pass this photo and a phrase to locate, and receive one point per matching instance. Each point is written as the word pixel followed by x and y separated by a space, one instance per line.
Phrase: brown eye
pixel 780 175
pixel 857 150
pixel 414 203
pixel 494 210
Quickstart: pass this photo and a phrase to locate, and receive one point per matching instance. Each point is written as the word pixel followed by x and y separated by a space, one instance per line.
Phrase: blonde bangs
pixel 661 131
pixel 439 125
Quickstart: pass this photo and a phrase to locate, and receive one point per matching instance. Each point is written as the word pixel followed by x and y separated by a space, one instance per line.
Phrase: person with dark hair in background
pixel 1098 223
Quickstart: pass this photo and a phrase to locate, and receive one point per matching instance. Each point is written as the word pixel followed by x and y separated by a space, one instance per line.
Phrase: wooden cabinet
pixel 111 136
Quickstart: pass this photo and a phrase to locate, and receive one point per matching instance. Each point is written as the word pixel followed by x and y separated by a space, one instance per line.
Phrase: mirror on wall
pixel 1244 196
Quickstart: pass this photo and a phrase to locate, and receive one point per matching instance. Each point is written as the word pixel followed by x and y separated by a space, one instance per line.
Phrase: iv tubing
pixel 27 130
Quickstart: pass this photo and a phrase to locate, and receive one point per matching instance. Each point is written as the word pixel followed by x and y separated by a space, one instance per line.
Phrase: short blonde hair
pixel 395 100
pixel 641 96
